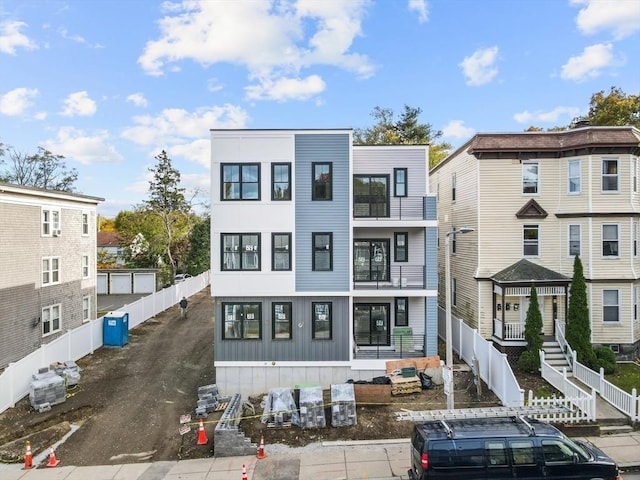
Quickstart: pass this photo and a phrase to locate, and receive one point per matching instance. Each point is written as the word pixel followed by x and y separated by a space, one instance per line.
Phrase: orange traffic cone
pixel 28 457
pixel 53 461
pixel 261 453
pixel 244 473
pixel 202 435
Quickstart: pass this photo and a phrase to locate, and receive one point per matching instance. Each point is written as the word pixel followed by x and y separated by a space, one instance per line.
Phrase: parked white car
pixel 181 277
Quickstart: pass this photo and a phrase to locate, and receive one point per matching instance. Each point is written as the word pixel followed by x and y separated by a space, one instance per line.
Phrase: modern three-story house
pixel 536 200
pixel 47 266
pixel 323 257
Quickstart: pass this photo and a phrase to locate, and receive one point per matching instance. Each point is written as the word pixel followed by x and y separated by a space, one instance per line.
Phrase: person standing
pixel 183 307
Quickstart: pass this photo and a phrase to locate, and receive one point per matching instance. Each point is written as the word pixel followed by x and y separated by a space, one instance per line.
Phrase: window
pixel 242 321
pixel 51 320
pixel 281 251
pixel 496 453
pixel 636 302
pixel 634 173
pixel 530 177
pixel 371 260
pixel 322 252
pixel 240 181
pixel 610 306
pixel 454 292
pixel 280 181
pixel 240 251
pixel 281 321
pixel 50 222
pixel 370 196
pixel 322 181
pixel 453 187
pixel 574 240
pixel 530 240
pixel 321 320
pixel 609 175
pixel 609 240
pixel 85 266
pixel 574 176
pixel 454 245
pixel 402 311
pixel 401 246
pixel 50 270
pixel 522 452
pixel 556 451
pixel 635 239
pixel 86 312
pixel 400 182
pixel 85 224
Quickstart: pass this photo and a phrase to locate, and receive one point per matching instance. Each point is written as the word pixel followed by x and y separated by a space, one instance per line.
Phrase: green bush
pixel 606 359
pixel 529 361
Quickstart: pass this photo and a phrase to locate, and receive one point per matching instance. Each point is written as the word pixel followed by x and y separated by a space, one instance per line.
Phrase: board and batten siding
pixel 322 216
pixel 301 348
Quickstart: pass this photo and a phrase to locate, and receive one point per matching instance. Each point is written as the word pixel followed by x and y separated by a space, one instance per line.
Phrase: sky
pixel 109 84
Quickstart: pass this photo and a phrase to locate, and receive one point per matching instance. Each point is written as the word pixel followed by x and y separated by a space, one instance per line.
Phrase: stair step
pixel 613 429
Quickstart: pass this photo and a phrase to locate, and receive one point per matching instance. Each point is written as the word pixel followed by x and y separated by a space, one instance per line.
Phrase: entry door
pixel 371 324
pixel 371 260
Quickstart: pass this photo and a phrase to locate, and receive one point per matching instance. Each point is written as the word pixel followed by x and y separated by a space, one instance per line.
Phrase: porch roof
pixel 527 272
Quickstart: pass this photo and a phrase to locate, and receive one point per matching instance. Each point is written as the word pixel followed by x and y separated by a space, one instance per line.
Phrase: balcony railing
pixel 398 277
pixel 371 207
pixel 382 346
pixel 508 330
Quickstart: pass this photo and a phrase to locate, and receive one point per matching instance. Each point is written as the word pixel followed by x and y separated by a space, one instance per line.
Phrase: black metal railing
pixel 392 277
pixel 383 346
pixel 372 207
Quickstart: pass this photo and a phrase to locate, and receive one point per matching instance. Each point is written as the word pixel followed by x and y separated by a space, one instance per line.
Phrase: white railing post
pixel 602 380
pixel 593 412
pixel 575 359
pixel 635 414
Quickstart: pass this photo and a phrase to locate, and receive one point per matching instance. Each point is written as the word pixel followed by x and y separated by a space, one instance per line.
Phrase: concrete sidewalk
pixel 384 460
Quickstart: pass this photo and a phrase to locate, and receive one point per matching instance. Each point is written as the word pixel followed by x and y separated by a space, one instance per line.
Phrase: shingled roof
pixel 524 271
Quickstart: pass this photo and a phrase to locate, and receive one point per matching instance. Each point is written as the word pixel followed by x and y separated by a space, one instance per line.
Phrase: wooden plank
pixel 420 363
pixel 366 393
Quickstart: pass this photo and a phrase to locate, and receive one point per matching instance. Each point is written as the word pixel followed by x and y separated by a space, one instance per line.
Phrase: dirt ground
pixel 129 401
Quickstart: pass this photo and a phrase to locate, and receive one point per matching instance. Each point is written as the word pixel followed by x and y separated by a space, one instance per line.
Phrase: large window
pixel 610 306
pixel 242 321
pixel 401 246
pixel 531 241
pixel 400 182
pixel 322 181
pixel 609 175
pixel 371 196
pixel 321 320
pixel 281 321
pixel 86 309
pixel 635 238
pixel 240 251
pixel 51 319
pixel 530 178
pixel 280 181
pixel 574 176
pixel 574 240
pixel 371 260
pixel 240 181
pixel 50 222
pixel 281 251
pixel 50 270
pixel 371 323
pixel 322 252
pixel 610 240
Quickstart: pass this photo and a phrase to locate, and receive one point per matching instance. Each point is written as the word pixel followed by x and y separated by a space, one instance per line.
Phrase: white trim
pixel 281 364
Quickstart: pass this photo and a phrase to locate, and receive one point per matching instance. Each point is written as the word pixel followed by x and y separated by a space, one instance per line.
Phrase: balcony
pixel 511 331
pixel 376 208
pixel 393 277
pixel 388 347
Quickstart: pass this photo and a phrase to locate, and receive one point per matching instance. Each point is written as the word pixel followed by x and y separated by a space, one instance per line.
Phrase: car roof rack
pixel 447 428
pixel 532 430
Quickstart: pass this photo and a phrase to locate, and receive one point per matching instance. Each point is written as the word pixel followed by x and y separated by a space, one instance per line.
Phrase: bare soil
pixel 130 399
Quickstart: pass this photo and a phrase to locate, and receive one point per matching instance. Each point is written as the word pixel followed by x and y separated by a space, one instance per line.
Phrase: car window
pixel 522 452
pixel 496 453
pixel 457 453
pixel 556 451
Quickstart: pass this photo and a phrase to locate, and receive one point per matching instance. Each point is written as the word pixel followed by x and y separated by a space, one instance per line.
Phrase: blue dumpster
pixel 115 329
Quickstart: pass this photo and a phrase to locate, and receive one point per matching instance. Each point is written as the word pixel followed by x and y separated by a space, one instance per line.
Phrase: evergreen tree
pixel 530 358
pixel 199 257
pixel 578 325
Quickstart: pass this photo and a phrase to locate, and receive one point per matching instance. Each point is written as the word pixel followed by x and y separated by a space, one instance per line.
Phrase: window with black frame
pixel 321 321
pixel 370 196
pixel 322 252
pixel 281 321
pixel 240 251
pixel 242 321
pixel 281 251
pixel 322 181
pixel 240 181
pixel 280 181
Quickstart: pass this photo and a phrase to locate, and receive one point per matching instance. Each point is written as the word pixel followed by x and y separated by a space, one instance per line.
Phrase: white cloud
pixel 87 149
pixel 284 89
pixel 17 101
pixel 480 67
pixel 138 99
pixel 79 103
pixel 214 85
pixel 590 64
pixel 457 129
pixel 622 17
pixel 11 38
pixel 420 6
pixel 270 39
pixel 552 116
pixel 64 33
pixel 198 151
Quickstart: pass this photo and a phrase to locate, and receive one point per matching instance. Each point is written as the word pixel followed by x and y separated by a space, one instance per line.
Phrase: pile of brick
pixel 311 408
pixel 209 400
pixel 343 405
pixel 68 370
pixel 280 410
pixel 47 389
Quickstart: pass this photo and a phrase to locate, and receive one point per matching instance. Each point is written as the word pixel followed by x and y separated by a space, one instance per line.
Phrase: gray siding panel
pixel 431 258
pixel 430 208
pixel 322 216
pixel 301 348
pixel 431 325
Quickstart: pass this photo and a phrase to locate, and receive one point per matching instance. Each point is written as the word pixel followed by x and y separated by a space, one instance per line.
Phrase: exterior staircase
pixel 554 356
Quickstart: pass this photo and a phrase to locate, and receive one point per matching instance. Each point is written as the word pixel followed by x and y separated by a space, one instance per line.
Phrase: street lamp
pixel 449 340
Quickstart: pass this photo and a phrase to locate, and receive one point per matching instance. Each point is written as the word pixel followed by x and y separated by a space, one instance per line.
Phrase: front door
pixel 371 324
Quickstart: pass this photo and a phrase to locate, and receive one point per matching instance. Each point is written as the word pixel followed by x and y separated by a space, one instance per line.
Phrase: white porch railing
pixel 629 404
pixel 512 330
pixel 15 380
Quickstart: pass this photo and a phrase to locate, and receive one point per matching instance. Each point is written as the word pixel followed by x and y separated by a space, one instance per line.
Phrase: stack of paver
pixel 209 400
pixel 311 408
pixel 280 409
pixel 343 405
pixel 69 371
pixel 47 388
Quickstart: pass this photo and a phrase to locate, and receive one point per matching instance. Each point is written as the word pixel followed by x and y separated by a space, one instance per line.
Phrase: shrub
pixel 529 361
pixel 606 359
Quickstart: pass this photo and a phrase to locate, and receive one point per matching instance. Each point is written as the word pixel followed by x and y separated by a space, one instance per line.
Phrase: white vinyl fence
pixel 494 369
pixel 74 344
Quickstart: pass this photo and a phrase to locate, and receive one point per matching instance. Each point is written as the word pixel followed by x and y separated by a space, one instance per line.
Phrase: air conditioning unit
pixel 57 233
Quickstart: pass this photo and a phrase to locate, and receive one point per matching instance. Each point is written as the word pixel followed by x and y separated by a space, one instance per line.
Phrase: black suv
pixel 503 447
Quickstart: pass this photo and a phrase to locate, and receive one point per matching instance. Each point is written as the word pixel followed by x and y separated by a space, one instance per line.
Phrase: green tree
pixel 615 108
pixel 141 233
pixel 199 256
pixel 43 170
pixel 407 130
pixel 530 358
pixel 578 324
